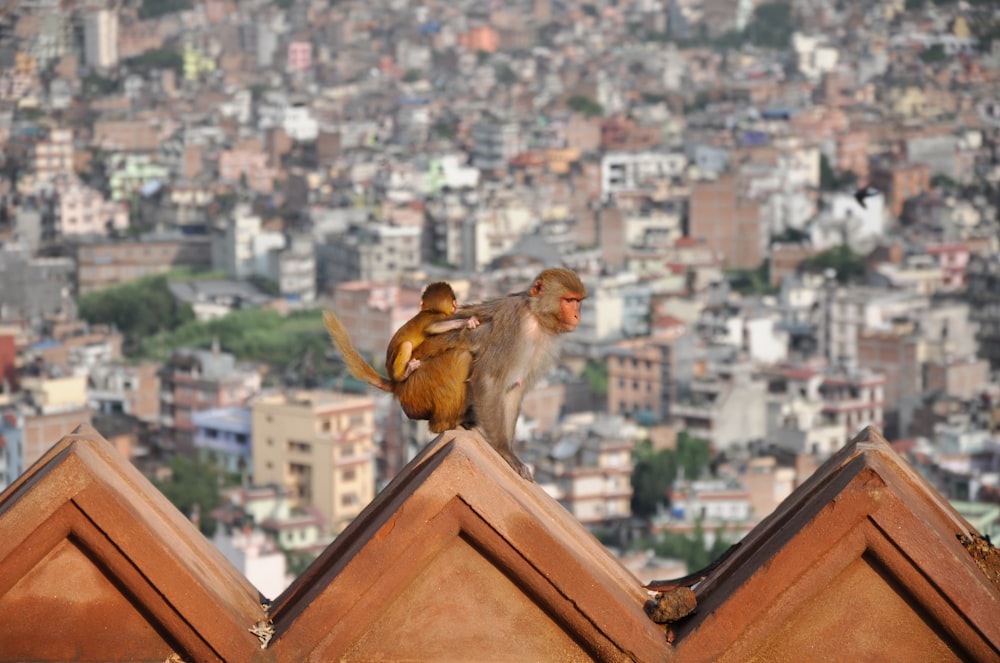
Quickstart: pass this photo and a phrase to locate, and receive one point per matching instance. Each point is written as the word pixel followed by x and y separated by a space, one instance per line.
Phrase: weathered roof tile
pixel 458 558
pixel 96 564
pixel 864 559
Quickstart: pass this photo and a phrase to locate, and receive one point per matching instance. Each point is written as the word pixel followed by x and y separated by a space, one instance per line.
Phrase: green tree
pixel 752 281
pixel 193 487
pixel 154 59
pixel 138 309
pixel 585 105
pixel 654 472
pixel 933 54
pixel 506 75
pixel 850 267
pixel 155 8
pixel 596 374
pixel 693 454
pixel 97 85
pixel 692 549
pixel 771 26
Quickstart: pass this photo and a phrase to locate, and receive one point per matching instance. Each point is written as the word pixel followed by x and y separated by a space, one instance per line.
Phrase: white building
pixel 257 558
pixel 632 172
pixel 100 39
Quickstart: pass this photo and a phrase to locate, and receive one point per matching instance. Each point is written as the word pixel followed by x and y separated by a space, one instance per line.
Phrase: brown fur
pixel 436 390
pixel 516 344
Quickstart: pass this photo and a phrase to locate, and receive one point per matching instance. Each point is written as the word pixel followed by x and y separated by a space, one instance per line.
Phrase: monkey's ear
pixel 536 289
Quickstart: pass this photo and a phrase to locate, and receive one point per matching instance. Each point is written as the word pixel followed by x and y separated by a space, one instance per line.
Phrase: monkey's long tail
pixel 356 364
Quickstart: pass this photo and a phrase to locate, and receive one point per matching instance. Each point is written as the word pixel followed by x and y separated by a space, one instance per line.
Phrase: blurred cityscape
pixel 786 215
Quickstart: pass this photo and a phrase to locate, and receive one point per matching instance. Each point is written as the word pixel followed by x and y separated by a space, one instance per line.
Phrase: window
pixel 299 447
pixel 348 475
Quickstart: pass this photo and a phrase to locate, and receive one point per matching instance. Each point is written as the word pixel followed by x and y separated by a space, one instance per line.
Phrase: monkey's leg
pixel 497 408
pixel 452 392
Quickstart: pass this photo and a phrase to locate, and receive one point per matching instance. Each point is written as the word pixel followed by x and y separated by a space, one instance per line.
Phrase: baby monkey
pixel 437 303
pixel 438 391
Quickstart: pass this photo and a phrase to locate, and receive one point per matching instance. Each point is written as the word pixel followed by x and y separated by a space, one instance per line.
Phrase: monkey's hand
pixel 411 366
pixel 472 323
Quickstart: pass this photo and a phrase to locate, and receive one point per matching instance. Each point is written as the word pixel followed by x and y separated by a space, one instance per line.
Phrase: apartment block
pixel 728 221
pixel 899 183
pixel 133 389
pixel 646 376
pixel 194 380
pixel 983 292
pixel 222 438
pixel 321 446
pixel 590 474
pixel 84 211
pixel 101 263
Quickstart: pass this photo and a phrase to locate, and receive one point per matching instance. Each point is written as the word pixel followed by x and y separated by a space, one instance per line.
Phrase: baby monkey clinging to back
pixel 425 381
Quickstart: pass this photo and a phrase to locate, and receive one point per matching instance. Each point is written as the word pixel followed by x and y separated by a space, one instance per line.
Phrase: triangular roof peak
pixel 96 564
pixel 460 558
pixel 865 557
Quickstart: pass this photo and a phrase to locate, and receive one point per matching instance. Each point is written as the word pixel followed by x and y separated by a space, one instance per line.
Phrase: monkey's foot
pixel 411 366
pixel 521 469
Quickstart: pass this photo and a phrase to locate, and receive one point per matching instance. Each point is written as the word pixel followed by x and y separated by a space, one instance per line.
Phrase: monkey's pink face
pixel 569 311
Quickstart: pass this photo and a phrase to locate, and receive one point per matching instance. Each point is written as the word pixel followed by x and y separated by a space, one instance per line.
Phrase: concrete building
pixel 256 556
pixel 34 288
pixel 728 409
pixel 649 375
pixel 222 438
pixel 193 380
pixel 589 471
pixel 100 39
pixel 11 445
pixel 371 252
pixel 853 400
pixel 983 292
pixel 241 248
pixel 321 446
pixel 639 172
pixel 727 221
pixel 495 143
pixel 101 263
pixel 82 210
pixel 52 159
pixel 132 389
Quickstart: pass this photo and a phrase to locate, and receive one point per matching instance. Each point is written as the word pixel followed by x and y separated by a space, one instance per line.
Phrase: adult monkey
pixel 430 383
pixel 516 344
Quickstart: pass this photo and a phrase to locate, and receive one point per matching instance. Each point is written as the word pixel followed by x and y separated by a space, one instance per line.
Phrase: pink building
pixel 84 211
pixel 854 400
pixel 299 56
pixel 952 259
pixel 483 38
pixel 53 157
pixel 238 163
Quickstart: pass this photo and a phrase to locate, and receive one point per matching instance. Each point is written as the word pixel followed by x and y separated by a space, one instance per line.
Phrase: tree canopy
pixel 850 266
pixel 193 487
pixel 138 309
pixel 654 472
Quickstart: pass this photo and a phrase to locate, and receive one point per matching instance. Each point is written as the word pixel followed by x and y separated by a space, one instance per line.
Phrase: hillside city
pixel 785 213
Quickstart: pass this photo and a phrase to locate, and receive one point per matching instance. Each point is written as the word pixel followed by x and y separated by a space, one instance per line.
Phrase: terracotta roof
pixel 455 557
pixel 96 564
pixel 459 558
pixel 863 558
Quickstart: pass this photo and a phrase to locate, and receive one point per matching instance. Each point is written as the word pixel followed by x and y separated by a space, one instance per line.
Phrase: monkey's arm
pixel 398 370
pixel 443 326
